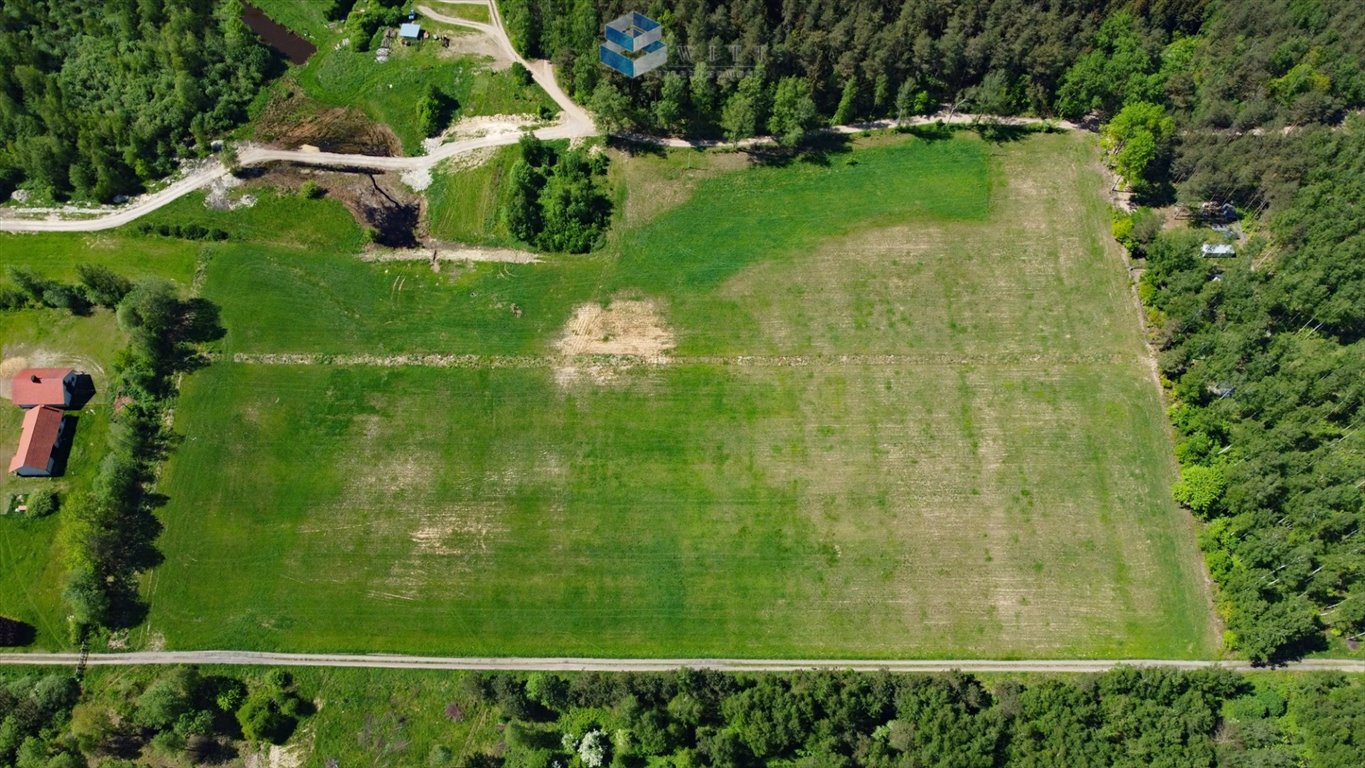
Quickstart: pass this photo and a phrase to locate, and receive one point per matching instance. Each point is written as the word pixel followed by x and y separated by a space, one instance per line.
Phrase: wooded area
pixel 177 717
pixel 96 99
pixel 1128 717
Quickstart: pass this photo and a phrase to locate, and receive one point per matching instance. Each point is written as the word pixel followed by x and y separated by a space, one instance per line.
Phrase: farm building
pixel 410 31
pixel 44 428
pixel 44 386
pixel 1212 251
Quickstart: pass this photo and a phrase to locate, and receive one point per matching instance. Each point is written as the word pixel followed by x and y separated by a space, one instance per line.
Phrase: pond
pixel 277 36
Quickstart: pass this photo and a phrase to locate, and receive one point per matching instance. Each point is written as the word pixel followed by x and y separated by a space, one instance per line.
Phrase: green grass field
pixel 909 412
pixel 463 205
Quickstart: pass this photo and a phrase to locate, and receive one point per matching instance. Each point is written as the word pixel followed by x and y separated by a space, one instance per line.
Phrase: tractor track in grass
pixel 569 664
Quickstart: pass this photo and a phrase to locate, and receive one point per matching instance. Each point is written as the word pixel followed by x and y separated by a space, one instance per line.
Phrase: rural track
pixel 438 360
pixel 569 664
pixel 574 122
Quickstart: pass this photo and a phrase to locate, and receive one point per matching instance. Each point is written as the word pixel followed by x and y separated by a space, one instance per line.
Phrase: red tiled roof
pixel 39 386
pixel 42 425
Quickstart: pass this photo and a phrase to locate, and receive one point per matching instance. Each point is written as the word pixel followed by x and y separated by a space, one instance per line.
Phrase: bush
pixel 1200 488
pixel 42 503
pixel 435 110
pixel 311 190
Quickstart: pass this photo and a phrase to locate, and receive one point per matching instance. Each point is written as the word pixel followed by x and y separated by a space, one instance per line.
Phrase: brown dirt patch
pixel 291 119
pixel 628 331
pixel 436 253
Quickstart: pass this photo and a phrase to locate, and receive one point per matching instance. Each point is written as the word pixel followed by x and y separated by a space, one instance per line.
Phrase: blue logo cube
pixel 634 45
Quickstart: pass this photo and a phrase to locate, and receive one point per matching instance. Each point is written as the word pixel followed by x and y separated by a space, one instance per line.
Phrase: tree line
pixel 96 99
pixel 1128 717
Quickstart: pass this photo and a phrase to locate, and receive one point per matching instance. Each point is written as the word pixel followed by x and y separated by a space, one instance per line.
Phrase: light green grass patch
pixel 469 11
pixel 463 204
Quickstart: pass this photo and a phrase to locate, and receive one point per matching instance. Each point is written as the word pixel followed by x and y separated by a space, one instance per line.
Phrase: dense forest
pixel 1267 372
pixel 1220 65
pixel 96 99
pixel 1243 103
pixel 1127 718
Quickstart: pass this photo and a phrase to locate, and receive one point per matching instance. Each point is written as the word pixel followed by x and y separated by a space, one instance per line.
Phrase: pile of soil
pixel 291 119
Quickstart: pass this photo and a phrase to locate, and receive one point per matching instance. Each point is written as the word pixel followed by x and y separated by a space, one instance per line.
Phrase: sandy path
pixel 559 664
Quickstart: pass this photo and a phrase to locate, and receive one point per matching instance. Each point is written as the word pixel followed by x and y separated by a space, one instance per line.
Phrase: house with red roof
pixel 33 387
pixel 44 428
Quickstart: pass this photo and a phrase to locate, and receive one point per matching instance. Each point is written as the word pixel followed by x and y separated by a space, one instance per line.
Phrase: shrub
pixel 311 190
pixel 1200 488
pixel 102 285
pixel 42 503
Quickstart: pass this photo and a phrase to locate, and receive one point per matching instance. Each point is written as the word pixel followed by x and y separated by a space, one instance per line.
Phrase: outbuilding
pixel 34 387
pixel 410 31
pixel 44 428
pixel 1211 250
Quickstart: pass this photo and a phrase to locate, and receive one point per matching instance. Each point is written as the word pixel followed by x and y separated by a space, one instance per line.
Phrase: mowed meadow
pixel 895 403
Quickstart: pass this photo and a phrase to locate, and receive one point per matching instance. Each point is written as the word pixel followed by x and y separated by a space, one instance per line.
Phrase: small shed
pixel 44 428
pixel 410 31
pixel 1217 250
pixel 34 387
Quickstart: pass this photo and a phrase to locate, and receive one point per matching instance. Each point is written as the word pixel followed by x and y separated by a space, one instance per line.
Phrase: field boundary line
pixel 436 360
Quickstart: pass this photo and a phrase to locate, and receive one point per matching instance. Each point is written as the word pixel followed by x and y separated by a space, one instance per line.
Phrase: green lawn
pixel 471 11
pixel 909 413
pixel 463 205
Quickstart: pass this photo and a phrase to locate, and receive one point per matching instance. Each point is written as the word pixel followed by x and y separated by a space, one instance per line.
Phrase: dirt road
pixel 453 663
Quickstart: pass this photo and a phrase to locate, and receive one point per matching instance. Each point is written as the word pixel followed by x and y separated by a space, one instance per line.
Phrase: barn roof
pixel 42 427
pixel 40 386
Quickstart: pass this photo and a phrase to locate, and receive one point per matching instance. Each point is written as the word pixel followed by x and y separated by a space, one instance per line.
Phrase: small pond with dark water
pixel 276 35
